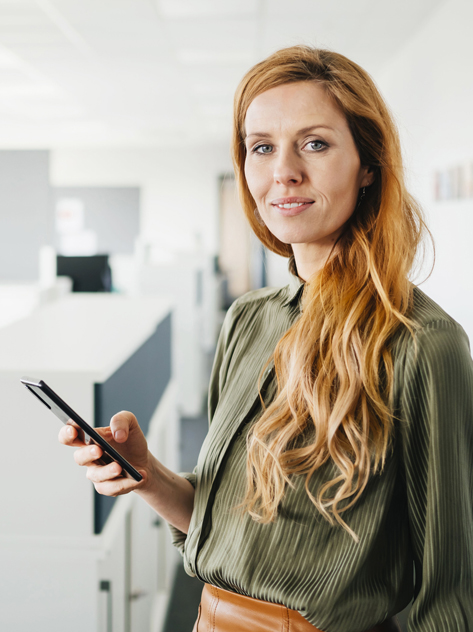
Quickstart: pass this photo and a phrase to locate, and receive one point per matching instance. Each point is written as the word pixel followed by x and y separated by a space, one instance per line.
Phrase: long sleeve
pixel 437 436
pixel 419 510
pixel 217 377
pixel 178 537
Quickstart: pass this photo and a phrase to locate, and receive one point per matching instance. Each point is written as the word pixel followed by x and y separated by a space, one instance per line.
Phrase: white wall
pixel 180 187
pixel 25 212
pixel 429 87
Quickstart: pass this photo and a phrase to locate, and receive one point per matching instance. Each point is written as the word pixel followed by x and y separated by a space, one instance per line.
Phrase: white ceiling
pixel 153 72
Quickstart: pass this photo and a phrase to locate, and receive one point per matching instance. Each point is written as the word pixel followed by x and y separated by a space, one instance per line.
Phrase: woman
pixel 336 480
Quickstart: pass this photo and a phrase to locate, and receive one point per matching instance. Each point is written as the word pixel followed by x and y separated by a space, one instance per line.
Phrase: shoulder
pixel 434 328
pixel 425 312
pixel 253 303
pixel 256 297
pixel 433 374
pixel 430 325
pixel 254 310
pixel 437 346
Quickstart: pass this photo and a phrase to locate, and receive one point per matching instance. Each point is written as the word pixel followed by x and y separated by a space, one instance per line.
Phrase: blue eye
pixel 316 145
pixel 263 149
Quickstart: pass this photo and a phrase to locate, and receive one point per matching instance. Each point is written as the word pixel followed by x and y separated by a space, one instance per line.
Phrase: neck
pixel 310 259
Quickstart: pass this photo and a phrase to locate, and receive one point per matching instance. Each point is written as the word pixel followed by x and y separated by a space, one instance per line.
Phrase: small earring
pixel 363 193
pixel 259 219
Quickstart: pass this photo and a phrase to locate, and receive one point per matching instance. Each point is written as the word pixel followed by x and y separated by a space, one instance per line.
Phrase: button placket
pixel 210 499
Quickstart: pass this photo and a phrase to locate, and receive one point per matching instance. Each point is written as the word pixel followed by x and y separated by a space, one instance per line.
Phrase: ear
pixel 366 176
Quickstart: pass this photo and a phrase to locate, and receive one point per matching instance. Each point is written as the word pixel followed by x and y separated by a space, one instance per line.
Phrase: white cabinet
pixel 62 568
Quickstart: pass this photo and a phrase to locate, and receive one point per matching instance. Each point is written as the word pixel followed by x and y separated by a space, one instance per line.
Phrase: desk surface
pixel 91 333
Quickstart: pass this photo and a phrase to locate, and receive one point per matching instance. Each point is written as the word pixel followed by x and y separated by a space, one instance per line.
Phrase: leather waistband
pixel 224 611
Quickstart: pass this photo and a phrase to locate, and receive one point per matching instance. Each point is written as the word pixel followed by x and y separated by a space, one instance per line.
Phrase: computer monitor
pixel 88 274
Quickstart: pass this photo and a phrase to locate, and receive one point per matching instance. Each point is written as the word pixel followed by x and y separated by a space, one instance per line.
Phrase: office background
pixel 115 120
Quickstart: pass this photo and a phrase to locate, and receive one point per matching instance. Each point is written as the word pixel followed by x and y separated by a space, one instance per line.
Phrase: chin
pixel 293 237
pixel 297 230
pixel 284 234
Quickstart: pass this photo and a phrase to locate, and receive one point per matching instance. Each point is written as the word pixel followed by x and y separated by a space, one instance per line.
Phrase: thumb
pixel 121 424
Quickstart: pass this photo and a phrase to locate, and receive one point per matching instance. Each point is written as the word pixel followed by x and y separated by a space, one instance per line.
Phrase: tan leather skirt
pixel 224 611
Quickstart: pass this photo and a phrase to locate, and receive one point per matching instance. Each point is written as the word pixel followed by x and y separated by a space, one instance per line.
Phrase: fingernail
pixel 70 431
pixel 120 435
pixel 94 451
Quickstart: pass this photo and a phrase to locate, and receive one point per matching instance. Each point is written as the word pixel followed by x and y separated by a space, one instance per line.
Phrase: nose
pixel 288 169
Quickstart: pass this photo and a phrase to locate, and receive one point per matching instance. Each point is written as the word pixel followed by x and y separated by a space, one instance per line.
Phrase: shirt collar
pixel 296 285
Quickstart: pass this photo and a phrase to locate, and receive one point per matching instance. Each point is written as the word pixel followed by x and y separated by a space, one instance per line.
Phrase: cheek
pixel 342 181
pixel 255 180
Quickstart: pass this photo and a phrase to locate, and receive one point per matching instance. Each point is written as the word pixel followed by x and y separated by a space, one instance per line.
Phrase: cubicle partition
pixel 193 285
pixel 69 559
pixel 137 385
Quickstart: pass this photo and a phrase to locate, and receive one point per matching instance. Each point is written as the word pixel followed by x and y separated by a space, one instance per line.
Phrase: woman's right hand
pixel 125 435
pixel 170 495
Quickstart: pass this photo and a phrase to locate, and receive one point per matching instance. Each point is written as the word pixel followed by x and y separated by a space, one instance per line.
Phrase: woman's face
pixel 302 166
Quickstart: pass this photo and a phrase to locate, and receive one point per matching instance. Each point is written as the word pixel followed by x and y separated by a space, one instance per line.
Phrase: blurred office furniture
pixel 186 591
pixel 88 274
pixel 19 300
pixel 192 286
pixel 69 558
pixel 111 213
pixel 193 283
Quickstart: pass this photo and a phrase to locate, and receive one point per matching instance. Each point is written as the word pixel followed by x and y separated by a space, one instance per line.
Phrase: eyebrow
pixel 304 130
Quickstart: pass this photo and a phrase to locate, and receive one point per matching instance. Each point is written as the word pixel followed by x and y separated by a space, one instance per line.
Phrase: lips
pixel 291 200
pixel 290 206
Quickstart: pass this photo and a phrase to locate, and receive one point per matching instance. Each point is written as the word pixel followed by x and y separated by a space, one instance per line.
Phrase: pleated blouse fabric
pixel 414 521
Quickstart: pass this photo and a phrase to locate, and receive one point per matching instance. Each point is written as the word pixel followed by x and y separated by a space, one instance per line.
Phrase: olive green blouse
pixel 414 521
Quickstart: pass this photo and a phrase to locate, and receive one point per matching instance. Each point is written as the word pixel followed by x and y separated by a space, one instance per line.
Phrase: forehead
pixel 293 106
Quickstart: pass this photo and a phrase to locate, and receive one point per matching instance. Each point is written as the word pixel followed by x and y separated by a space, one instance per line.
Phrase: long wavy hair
pixel 334 366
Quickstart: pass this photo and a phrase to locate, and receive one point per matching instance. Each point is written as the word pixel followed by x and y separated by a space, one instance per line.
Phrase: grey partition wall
pixel 137 386
pixel 113 213
pixel 26 213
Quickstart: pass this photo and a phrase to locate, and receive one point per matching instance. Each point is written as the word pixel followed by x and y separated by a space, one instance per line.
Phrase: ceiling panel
pixel 215 34
pixel 152 71
pixel 14 77
pixel 207 8
pixel 19 7
pixel 344 10
pixel 118 28
pixel 45 56
pixel 23 19
pixel 43 36
pixel 24 22
pixel 133 39
pixel 104 12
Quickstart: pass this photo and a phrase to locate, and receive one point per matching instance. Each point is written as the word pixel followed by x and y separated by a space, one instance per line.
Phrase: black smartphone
pixel 86 433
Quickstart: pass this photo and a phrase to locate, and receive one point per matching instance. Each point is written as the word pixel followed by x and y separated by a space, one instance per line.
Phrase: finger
pixel 120 425
pixel 117 487
pixel 68 435
pixel 87 456
pixel 101 473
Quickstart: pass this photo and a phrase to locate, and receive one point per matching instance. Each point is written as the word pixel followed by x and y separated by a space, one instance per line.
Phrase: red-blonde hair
pixel 334 366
